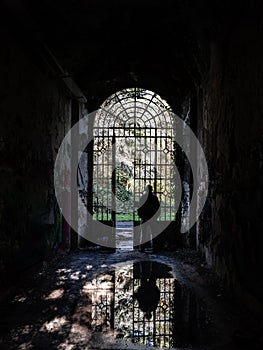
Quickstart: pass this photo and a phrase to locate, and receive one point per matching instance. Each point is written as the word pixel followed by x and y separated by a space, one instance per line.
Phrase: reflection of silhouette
pixel 148 294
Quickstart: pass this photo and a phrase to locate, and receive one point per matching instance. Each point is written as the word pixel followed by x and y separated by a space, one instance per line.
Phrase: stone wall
pixel 35 114
pixel 231 130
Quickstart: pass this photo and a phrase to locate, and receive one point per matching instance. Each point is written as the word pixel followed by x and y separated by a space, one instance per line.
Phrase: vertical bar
pixel 113 181
pixel 108 179
pixel 103 178
pixel 145 166
pixel 134 174
pixel 90 195
pixel 74 163
pixel 171 183
pixel 134 117
pixel 112 316
pixel 154 328
pixel 143 331
pixel 150 151
pixel 155 161
pixel 160 286
pixel 133 306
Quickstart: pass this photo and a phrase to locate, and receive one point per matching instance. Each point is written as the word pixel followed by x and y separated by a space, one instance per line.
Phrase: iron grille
pixel 133 146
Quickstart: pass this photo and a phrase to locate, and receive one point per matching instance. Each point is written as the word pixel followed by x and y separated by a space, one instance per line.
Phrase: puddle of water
pixel 143 303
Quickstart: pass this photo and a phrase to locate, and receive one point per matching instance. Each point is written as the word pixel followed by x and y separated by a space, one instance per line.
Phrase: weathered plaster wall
pixel 231 130
pixel 35 114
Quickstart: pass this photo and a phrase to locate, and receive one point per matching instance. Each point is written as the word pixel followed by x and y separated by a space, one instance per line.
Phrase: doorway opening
pixel 133 145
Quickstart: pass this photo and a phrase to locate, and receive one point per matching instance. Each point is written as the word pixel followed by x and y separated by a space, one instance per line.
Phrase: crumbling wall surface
pixel 232 134
pixel 35 114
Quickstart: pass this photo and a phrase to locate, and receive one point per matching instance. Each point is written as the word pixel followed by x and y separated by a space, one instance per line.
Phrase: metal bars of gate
pixel 156 169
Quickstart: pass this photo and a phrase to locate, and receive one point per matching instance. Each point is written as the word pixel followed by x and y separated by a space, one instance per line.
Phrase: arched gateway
pixel 133 145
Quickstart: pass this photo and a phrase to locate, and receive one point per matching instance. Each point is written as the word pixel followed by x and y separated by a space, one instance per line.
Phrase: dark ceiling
pixel 109 44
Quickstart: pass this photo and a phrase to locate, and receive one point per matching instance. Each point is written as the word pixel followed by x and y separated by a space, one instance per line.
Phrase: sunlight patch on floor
pixel 55 294
pixel 54 325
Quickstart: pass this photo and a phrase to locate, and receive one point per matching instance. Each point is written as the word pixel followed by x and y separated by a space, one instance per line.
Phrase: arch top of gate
pixel 134 107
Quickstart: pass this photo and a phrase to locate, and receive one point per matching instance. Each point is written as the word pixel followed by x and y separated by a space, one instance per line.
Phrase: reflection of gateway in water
pixel 163 316
pixel 153 289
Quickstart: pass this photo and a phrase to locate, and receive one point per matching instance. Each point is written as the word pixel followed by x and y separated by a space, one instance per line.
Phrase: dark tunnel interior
pixel 60 62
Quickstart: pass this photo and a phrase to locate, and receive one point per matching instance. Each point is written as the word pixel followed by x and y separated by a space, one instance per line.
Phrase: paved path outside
pixel 124 235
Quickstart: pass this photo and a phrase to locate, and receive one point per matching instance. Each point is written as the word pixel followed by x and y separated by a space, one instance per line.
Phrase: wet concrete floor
pixel 125 300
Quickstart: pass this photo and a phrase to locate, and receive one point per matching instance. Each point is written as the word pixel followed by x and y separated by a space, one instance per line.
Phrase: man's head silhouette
pixel 149 188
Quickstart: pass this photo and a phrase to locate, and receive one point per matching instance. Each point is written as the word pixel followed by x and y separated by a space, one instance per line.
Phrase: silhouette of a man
pixel 148 206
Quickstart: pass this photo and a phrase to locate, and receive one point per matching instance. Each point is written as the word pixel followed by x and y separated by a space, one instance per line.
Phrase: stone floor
pixel 52 310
